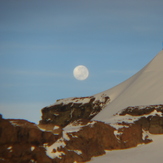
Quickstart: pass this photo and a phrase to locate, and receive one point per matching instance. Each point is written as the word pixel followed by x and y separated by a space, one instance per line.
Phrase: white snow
pixel 32 148
pixel 10 148
pixel 143 88
pixel 13 123
pixel 80 100
pixel 91 123
pixel 146 134
pixel 155 112
pixel 72 128
pixel 56 114
pixel 73 136
pixel 79 152
pixel 72 99
pixel 148 153
pixel 75 128
pixel 56 127
pixel 116 133
pixel 53 150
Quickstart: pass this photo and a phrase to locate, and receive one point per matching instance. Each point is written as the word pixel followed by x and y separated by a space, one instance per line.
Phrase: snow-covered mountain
pixel 143 88
pixel 128 116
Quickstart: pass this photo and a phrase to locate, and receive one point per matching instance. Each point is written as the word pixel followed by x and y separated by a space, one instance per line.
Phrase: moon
pixel 81 72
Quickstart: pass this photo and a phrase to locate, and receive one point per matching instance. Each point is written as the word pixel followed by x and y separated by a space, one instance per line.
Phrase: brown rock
pixel 156 125
pixel 62 114
pixel 131 136
pixel 22 142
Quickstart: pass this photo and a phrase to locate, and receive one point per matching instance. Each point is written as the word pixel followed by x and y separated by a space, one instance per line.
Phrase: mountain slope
pixel 143 88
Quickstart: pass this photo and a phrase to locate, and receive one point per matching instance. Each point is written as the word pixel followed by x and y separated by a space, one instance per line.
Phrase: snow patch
pixel 33 161
pixel 79 152
pixel 56 114
pixel 145 135
pixel 154 113
pixel 91 123
pixel 73 136
pixel 118 121
pixel 73 100
pixel 53 150
pixel 13 123
pixel 65 136
pixel 72 128
pixel 56 127
pixel 117 134
pixel 32 148
pixel 10 148
pixel 76 127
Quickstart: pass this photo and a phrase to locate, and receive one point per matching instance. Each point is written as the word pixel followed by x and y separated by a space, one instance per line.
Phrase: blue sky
pixel 41 42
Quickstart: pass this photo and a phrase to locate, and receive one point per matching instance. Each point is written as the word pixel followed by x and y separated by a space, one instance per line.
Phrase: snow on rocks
pixel 10 148
pixel 66 111
pixel 82 100
pixel 32 148
pixel 53 151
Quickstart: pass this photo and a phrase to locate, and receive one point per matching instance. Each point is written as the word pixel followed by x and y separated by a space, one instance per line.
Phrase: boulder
pixel 22 142
pixel 66 111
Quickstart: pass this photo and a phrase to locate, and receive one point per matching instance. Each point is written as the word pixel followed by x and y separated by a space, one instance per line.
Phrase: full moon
pixel 81 72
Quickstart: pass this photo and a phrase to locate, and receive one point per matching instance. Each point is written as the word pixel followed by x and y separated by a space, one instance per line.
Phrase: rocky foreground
pixel 66 133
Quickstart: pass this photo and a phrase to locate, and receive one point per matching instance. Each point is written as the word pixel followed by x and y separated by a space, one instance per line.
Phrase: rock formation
pixel 22 142
pixel 65 111
pixel 25 142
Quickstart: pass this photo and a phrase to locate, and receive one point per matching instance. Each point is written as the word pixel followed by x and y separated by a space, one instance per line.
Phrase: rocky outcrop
pixel 150 117
pixel 141 110
pixel 65 111
pixel 80 140
pixel 93 139
pixel 22 142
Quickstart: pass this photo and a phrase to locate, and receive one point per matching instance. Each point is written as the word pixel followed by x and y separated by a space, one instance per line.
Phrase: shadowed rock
pixel 64 112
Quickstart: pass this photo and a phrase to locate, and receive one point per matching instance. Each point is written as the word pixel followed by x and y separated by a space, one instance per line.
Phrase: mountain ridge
pixel 143 88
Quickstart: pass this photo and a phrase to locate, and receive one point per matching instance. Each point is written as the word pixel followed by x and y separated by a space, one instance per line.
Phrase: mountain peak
pixel 143 88
pixel 156 63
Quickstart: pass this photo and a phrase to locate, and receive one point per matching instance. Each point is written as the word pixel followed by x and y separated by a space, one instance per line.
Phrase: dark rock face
pixel 151 117
pixel 141 110
pixel 64 112
pixel 22 142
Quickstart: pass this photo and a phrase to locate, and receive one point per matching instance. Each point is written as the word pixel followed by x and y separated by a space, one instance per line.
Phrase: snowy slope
pixel 143 88
pixel 149 153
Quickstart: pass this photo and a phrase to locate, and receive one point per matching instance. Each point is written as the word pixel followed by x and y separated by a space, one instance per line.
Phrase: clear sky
pixel 42 41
